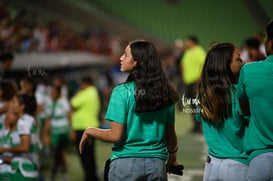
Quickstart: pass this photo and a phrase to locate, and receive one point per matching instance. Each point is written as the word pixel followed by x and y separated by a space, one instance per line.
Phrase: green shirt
pixel 7 139
pixel 256 84
pixel 226 140
pixel 145 133
pixel 192 64
pixel 87 107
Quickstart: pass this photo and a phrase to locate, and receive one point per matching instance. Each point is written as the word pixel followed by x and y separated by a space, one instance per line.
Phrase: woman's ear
pixel 134 63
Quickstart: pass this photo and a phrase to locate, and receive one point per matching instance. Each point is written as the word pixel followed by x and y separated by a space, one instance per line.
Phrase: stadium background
pixel 161 21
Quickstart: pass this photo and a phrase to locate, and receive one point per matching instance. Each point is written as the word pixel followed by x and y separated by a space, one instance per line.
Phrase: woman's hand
pixel 84 138
pixel 7 160
pixel 171 161
pixel 46 139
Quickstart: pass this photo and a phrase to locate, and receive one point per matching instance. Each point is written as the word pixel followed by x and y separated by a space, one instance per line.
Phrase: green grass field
pixel 192 151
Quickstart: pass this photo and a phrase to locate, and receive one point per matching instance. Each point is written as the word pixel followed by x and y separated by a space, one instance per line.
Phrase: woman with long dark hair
pixel 142 115
pixel 223 125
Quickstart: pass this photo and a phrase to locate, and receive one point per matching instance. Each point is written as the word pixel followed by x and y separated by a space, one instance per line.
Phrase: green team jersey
pixel 5 141
pixel 256 84
pixel 57 111
pixel 226 140
pixel 145 133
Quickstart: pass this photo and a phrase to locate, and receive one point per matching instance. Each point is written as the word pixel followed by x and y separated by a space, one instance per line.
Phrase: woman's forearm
pixel 112 135
pixel 16 149
pixel 23 147
pixel 172 143
pixel 171 138
pixel 7 160
pixel 106 135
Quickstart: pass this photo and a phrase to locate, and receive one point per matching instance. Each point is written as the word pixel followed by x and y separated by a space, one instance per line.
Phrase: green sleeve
pixel 116 110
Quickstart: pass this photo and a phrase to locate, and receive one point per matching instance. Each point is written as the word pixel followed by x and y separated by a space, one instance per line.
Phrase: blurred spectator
pixel 60 82
pixel 56 131
pixel 260 37
pixel 253 50
pixel 191 67
pixel 86 108
pixel 173 58
pixel 7 91
pixel 27 86
pixel 98 42
pixel 42 95
pixel 22 140
pixel 178 54
pixel 6 60
pixel 40 34
pixel 179 51
pixel 114 72
pixel 116 47
pixel 23 33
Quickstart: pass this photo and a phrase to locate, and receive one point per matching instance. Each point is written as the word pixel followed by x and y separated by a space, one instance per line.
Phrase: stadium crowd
pixel 21 32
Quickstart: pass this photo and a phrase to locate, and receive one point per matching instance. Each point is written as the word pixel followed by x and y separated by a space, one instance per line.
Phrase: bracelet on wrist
pixel 174 151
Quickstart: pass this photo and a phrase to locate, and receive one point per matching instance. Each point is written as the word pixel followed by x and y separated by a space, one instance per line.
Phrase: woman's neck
pixel 12 127
pixel 20 114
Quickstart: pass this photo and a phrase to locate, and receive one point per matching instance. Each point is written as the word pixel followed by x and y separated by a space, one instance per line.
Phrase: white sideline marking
pixel 190 173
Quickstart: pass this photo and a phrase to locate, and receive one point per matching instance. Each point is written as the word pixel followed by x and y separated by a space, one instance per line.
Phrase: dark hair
pixel 8 88
pixel 29 102
pixel 269 30
pixel 193 38
pixel 87 80
pixel 153 91
pixel 253 43
pixel 30 80
pixel 215 86
pixel 6 56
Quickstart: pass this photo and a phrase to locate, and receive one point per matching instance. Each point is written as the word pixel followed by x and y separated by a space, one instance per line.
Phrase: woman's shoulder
pixel 125 87
pixel 26 118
